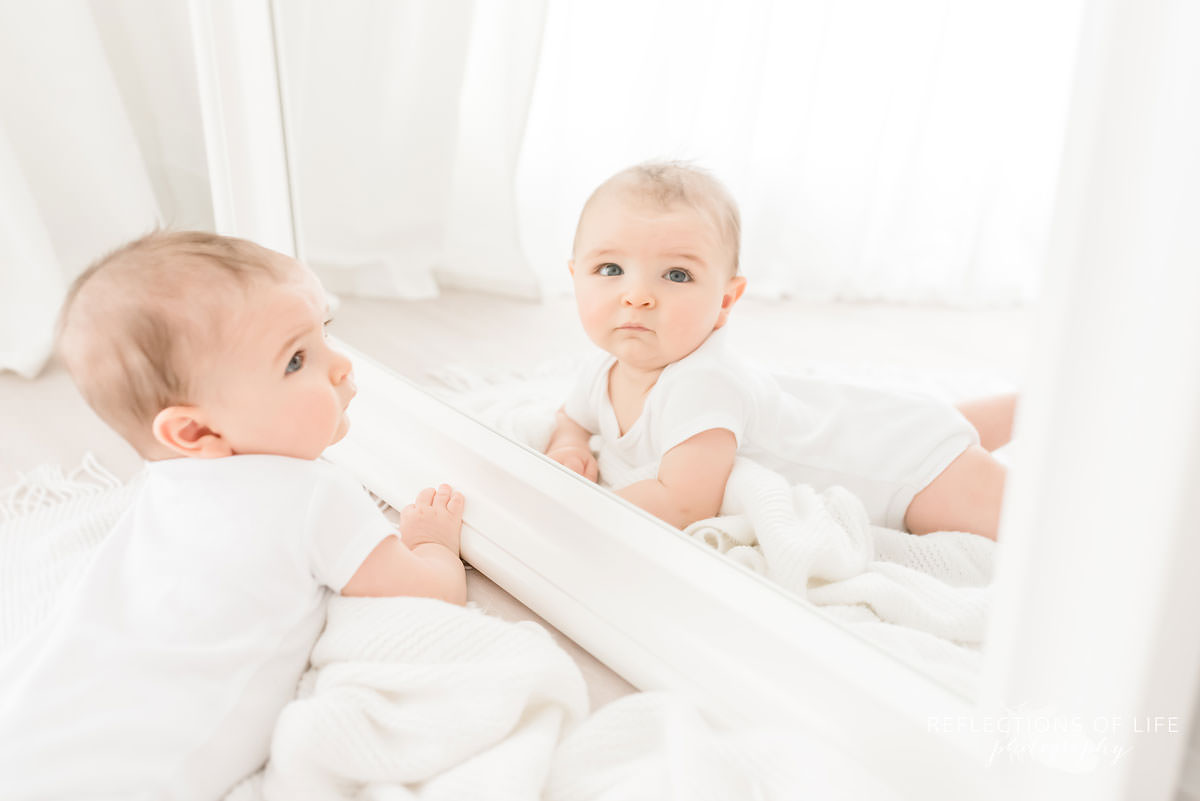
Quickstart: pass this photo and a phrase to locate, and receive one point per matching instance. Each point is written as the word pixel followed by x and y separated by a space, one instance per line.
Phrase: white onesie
pixel 161 671
pixel 884 447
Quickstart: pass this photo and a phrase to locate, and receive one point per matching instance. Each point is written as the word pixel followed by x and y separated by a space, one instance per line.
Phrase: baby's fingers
pixel 445 498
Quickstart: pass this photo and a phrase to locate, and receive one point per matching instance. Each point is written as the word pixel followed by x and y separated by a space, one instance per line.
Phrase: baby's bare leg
pixel 966 496
pixel 992 417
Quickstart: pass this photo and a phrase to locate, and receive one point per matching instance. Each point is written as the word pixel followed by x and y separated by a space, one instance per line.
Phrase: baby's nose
pixel 340 368
pixel 639 297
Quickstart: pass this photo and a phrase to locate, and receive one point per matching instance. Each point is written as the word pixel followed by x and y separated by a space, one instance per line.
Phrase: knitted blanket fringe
pixel 47 485
pixel 50 522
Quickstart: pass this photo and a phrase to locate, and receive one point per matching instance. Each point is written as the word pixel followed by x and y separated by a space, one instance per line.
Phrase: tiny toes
pixel 456 503
pixel 425 496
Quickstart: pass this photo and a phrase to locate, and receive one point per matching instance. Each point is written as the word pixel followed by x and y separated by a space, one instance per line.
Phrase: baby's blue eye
pixel 678 276
pixel 610 269
pixel 295 363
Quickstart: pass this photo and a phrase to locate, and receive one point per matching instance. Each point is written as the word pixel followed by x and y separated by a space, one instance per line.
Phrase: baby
pixel 161 672
pixel 655 268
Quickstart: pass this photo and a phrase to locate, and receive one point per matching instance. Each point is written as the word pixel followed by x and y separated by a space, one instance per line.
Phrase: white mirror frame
pixel 1094 586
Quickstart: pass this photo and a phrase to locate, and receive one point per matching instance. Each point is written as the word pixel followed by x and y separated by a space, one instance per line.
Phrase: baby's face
pixel 277 387
pixel 651 283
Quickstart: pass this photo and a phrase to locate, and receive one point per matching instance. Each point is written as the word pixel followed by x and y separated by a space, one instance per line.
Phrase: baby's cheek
pixel 591 314
pixel 695 319
pixel 311 415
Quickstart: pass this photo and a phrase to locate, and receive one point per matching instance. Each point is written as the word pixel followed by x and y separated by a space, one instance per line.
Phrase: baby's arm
pixel 569 446
pixel 691 479
pixel 426 563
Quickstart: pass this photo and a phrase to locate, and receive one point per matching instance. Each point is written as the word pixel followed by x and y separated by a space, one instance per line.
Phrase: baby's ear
pixel 731 295
pixel 184 430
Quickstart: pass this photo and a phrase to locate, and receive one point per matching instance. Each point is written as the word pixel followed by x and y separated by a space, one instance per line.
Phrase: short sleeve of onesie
pixel 343 525
pixel 583 402
pixel 698 399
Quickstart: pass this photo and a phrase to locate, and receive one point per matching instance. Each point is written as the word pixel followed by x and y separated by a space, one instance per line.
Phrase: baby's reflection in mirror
pixel 656 278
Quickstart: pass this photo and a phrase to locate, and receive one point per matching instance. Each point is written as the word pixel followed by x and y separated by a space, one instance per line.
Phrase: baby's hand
pixel 435 516
pixel 578 458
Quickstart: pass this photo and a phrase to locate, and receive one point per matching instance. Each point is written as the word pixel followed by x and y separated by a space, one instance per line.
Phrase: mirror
pixel 894 165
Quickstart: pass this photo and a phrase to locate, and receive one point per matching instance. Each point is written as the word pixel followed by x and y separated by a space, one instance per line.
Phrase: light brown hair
pixel 666 183
pixel 135 322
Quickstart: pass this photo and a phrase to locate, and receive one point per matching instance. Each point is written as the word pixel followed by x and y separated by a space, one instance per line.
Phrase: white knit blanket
pixel 418 699
pixel 410 698
pixel 50 522
pixel 923 598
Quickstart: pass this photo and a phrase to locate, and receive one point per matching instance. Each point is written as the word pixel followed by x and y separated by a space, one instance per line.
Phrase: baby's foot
pixel 435 516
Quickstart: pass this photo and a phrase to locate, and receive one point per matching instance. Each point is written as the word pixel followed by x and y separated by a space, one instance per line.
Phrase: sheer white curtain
pixel 887 150
pixel 404 123
pixel 96 147
pixel 32 279
pixel 902 151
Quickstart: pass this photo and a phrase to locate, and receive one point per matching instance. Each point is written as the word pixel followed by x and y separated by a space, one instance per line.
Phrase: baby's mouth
pixel 632 327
